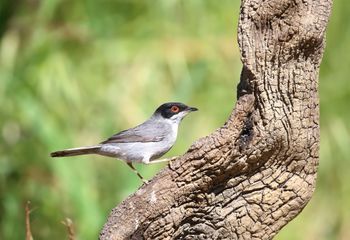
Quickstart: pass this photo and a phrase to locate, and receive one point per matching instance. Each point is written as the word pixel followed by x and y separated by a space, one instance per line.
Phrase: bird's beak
pixel 192 109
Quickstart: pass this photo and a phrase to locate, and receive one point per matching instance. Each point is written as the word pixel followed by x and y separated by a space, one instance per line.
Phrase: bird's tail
pixel 76 151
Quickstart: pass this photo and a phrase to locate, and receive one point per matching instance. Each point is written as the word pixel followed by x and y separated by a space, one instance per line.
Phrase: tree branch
pixel 256 173
pixel 27 223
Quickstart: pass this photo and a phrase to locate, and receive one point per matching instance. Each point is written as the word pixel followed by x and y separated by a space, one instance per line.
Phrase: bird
pixel 145 143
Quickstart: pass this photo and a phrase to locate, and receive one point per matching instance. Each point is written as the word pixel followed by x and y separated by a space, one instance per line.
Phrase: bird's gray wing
pixel 146 132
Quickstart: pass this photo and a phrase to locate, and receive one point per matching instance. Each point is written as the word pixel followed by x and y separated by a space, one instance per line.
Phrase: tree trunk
pixel 256 173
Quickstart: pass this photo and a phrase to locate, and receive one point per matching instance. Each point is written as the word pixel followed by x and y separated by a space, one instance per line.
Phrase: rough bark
pixel 256 173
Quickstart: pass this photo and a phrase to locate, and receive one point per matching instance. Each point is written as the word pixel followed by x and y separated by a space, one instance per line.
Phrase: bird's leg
pixel 162 160
pixel 136 172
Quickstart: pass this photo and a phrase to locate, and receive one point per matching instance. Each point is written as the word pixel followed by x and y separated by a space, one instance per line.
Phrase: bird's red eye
pixel 175 109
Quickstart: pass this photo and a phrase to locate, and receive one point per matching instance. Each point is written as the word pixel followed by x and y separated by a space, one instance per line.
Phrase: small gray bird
pixel 143 143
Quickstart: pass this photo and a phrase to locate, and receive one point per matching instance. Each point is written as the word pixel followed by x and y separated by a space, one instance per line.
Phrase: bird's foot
pixel 136 172
pixel 162 160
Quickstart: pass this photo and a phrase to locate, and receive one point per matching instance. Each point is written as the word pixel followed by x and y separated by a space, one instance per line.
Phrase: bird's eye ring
pixel 175 109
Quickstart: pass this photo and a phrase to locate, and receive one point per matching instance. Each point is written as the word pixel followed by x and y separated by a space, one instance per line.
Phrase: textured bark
pixel 256 173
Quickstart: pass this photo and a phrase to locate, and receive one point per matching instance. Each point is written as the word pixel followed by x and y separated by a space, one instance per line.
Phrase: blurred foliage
pixel 74 72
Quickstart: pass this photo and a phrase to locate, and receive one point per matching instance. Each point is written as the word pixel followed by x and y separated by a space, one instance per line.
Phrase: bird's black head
pixel 168 110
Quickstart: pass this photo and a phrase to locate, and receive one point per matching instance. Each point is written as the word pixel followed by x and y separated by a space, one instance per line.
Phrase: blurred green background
pixel 74 72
